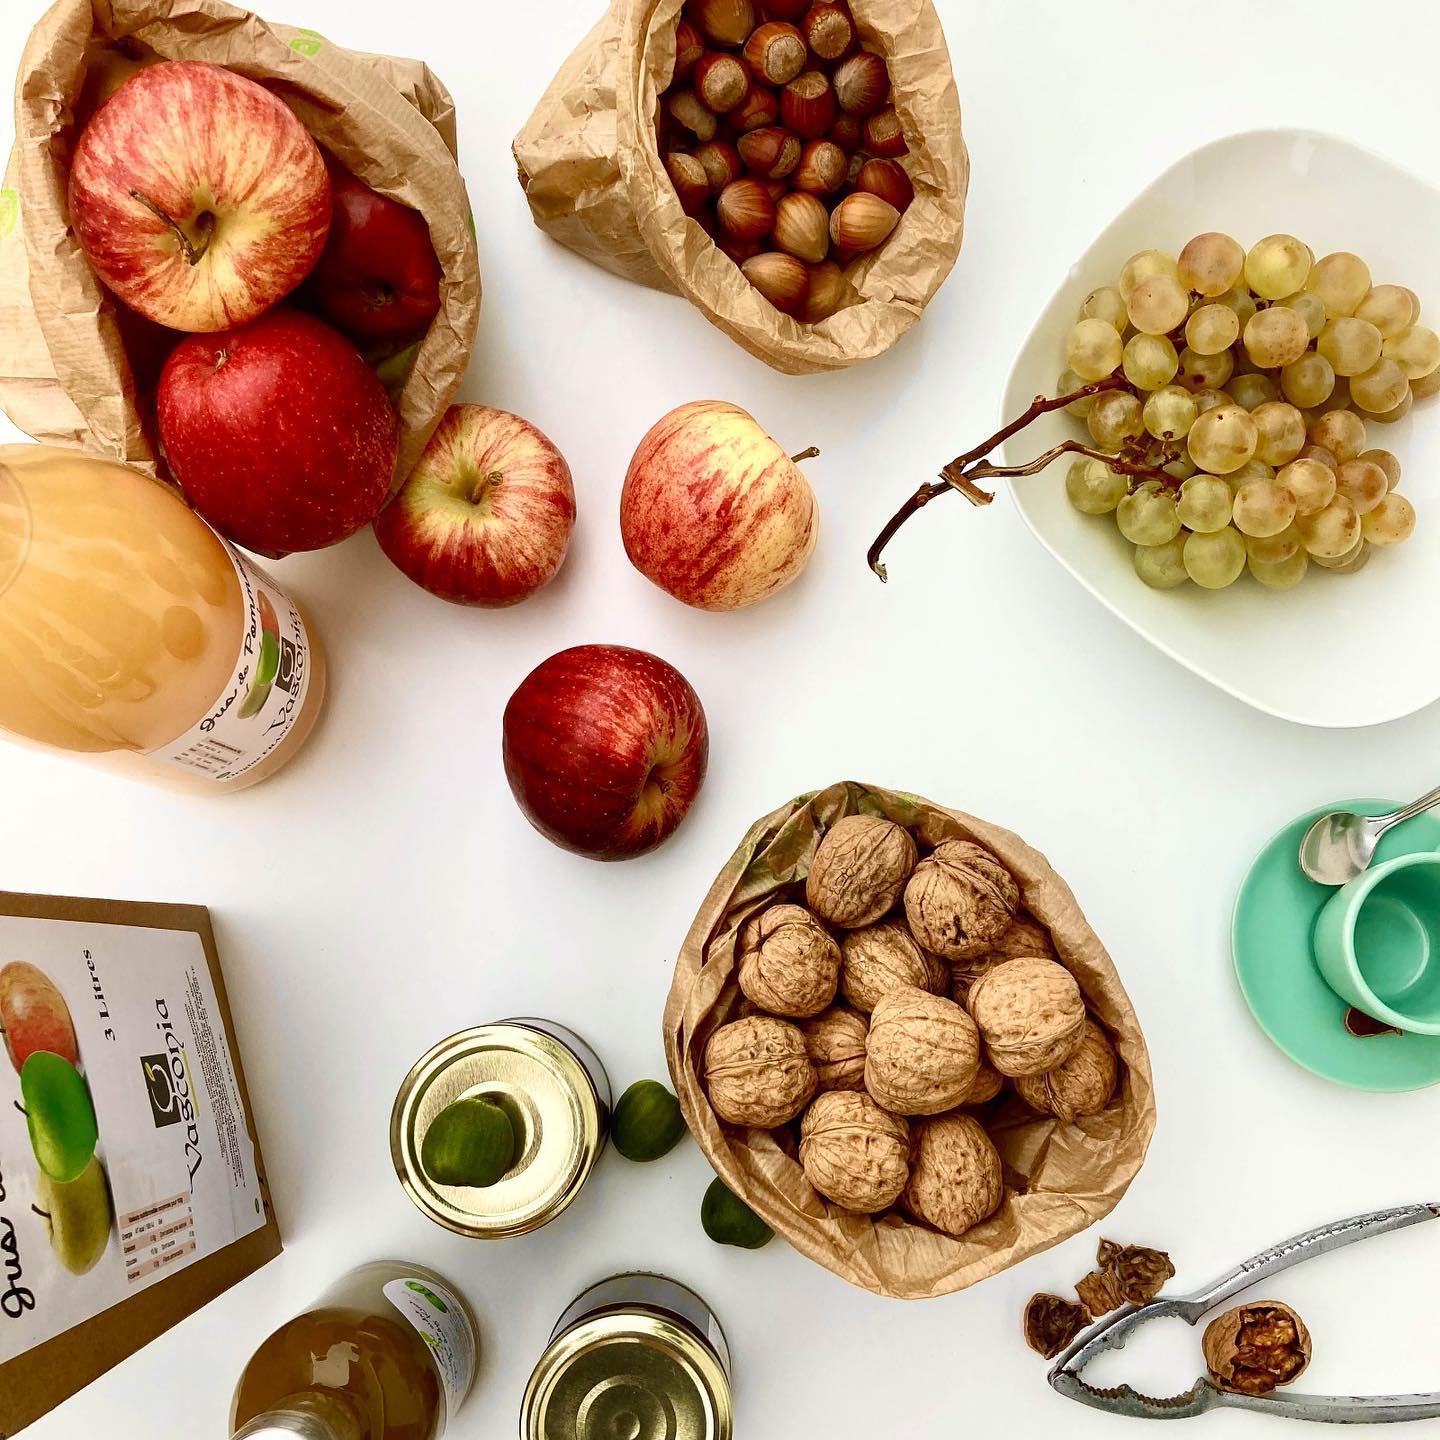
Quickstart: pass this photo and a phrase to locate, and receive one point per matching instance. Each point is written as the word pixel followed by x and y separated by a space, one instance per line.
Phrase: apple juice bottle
pixel 132 635
pixel 386 1354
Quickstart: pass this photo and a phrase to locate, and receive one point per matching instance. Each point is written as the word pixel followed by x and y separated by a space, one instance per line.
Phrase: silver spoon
pixel 1339 846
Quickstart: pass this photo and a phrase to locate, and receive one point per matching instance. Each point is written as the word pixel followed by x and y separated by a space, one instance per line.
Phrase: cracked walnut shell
pixel 884 957
pixel 835 1042
pixel 1081 1085
pixel 789 965
pixel 859 870
pixel 1030 1013
pixel 960 900
pixel 955 1175
pixel 922 1054
pixel 757 1072
pixel 1255 1347
pixel 853 1152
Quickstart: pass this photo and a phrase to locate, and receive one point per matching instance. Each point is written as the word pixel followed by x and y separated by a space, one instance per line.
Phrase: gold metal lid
pixel 552 1102
pixel 628 1375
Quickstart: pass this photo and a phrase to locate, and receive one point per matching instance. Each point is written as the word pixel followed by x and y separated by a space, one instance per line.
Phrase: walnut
pixel 1051 1323
pixel 1081 1085
pixel 835 1042
pixel 789 965
pixel 1025 936
pixel 859 870
pixel 922 1053
pixel 960 900
pixel 884 957
pixel 757 1072
pixel 1255 1347
pixel 955 1175
pixel 1030 1013
pixel 853 1152
pixel 987 1084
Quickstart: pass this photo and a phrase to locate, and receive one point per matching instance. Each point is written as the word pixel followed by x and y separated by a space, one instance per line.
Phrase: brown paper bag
pixel 1060 1178
pixel 592 173
pixel 67 374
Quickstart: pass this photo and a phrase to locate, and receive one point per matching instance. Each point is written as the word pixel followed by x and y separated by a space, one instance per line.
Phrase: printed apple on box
pixel 129 1169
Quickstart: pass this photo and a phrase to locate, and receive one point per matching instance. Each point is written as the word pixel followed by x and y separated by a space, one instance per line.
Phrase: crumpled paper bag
pixel 595 181
pixel 1060 1178
pixel 69 374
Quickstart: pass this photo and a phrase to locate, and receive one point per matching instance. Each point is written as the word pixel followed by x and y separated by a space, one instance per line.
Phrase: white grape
pixel 1282 432
pixel 1363 484
pixel 1272 549
pixel 1162 567
pixel 1146 516
pixel 1263 507
pixel 1106 304
pixel 1310 482
pixel 1204 504
pixel 1341 432
pixel 1169 413
pixel 1390 522
pixel 1277 266
pixel 1388 461
pixel 1215 560
pixel 1380 388
pixel 1310 308
pixel 1211 329
pixel 1340 280
pixel 1280 574
pixel 1149 361
pixel 1308 381
pixel 1211 263
pixel 1331 532
pixel 1252 390
pixel 1204 372
pixel 1093 349
pixel 1276 336
pixel 1158 305
pixel 1388 308
pixel 1351 345
pixel 1141 267
pixel 1093 487
pixel 1115 418
pixel 1068 383
pixel 1417 350
pixel 1223 439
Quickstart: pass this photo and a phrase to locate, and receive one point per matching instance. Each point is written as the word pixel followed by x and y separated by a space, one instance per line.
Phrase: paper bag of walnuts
pixel 592 161
pixel 76 368
pixel 895 1036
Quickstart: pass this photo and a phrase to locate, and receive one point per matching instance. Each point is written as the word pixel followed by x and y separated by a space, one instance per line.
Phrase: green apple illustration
pixel 59 1114
pixel 267 663
pixel 78 1214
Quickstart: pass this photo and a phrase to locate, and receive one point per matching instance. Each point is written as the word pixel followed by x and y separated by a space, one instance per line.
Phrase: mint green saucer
pixel 1275 914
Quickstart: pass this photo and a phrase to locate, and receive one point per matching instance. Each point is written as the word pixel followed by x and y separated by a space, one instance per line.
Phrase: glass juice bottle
pixel 387 1354
pixel 133 636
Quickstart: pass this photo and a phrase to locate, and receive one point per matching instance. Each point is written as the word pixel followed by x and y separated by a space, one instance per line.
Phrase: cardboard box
pixel 132 1188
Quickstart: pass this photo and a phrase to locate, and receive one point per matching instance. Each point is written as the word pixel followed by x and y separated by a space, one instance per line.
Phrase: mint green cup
pixel 1377 942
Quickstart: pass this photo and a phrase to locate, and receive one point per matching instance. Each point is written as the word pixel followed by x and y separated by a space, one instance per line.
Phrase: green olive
pixel 647 1122
pixel 470 1142
pixel 728 1220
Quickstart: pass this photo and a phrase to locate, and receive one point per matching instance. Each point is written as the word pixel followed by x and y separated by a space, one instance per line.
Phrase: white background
pixel 385 890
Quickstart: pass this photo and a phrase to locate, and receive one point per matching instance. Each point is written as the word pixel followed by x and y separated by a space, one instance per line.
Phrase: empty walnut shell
pixel 960 900
pixel 1052 1322
pixel 835 1042
pixel 853 1152
pixel 1030 1013
pixel 859 870
pixel 1081 1085
pixel 757 1072
pixel 884 957
pixel 1255 1347
pixel 1025 936
pixel 922 1054
pixel 955 1175
pixel 789 965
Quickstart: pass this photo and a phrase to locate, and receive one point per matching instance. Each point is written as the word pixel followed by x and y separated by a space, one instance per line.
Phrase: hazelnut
pixel 721 162
pixel 757 1072
pixel 922 1053
pixel 721 81
pixel 772 152
pixel 791 10
pixel 882 958
pixel 776 53
pixel 859 870
pixel 759 108
pixel 1255 1347
pixel 830 291
pixel 1030 1014
pixel 689 47
pixel 687 175
pixel 862 84
pixel 1081 1085
pixel 807 104
pixel 780 278
pixel 847 132
pixel 888 180
pixel 822 168
pixel 737 250
pixel 835 1042
pixel 860 222
pixel 722 22
pixel 960 899
pixel 802 227
pixel 853 1152
pixel 687 110
pixel 884 135
pixel 745 209
pixel 956 1179
pixel 828 30
pixel 789 965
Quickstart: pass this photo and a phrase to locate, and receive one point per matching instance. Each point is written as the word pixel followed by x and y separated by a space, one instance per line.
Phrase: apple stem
pixel 475 490
pixel 204 222
pixel 43 1214
pixel 809 454
pixel 21 1108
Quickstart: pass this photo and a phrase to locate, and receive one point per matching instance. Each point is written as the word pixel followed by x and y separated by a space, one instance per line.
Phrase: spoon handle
pixel 1413 809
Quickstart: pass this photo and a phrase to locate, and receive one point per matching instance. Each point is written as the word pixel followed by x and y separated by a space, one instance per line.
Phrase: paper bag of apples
pixel 207 214
pixel 793 168
pixel 913 1121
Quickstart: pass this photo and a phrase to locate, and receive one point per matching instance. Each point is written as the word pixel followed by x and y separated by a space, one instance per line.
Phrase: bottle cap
pixel 285 1425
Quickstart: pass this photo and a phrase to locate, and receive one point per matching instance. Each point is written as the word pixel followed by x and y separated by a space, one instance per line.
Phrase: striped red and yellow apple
pixel 714 510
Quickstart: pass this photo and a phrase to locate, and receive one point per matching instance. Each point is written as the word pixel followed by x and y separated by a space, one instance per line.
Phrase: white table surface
pixel 385 889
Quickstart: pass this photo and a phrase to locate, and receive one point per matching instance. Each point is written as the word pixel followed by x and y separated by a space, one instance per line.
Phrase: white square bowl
pixel 1338 650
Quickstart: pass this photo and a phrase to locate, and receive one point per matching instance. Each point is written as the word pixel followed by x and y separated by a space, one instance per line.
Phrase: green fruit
pixel 78 1214
pixel 728 1220
pixel 647 1122
pixel 60 1117
pixel 471 1142
pixel 268 665
pixel 254 701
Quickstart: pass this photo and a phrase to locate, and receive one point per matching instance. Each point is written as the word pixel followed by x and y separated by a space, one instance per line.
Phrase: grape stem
pixel 964 470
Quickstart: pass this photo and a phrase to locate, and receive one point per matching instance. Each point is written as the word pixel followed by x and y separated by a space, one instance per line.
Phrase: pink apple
pixel 605 749
pixel 485 517
pixel 198 197
pixel 34 1015
pixel 714 511
pixel 278 433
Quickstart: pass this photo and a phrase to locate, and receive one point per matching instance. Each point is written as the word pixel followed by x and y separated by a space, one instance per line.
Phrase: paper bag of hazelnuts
pixel 76 367
pixel 896 1037
pixel 807 263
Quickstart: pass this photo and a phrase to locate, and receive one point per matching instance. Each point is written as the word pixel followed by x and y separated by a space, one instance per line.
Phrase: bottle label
pixel 443 1323
pixel 258 708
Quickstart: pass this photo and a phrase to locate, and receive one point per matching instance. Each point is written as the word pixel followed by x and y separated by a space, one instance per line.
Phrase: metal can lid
pixel 628 1375
pixel 552 1101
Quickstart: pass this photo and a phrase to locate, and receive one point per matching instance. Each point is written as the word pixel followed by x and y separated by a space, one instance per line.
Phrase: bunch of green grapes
pixel 1246 379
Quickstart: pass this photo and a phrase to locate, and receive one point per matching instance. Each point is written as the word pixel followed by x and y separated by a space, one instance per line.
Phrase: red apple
pixel 605 749
pixel 198 197
pixel 378 277
pixel 485 517
pixel 714 511
pixel 278 433
pixel 34 1015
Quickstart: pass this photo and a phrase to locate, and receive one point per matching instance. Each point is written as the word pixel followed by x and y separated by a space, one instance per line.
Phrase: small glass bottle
pixel 388 1353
